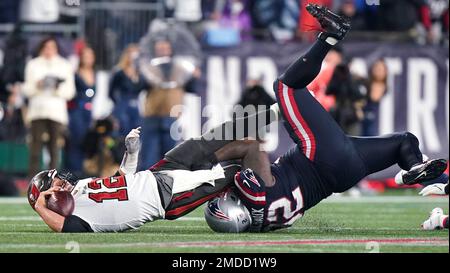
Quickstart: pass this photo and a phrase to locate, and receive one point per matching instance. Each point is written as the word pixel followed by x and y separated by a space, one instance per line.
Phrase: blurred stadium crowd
pixel 46 97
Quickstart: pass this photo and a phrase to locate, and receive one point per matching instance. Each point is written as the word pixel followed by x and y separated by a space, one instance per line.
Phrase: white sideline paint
pixel 332 199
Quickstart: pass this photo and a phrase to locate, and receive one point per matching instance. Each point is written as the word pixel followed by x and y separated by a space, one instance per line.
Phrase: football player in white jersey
pixel 188 176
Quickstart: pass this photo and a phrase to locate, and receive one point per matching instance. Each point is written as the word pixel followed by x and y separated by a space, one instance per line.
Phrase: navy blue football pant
pixel 341 160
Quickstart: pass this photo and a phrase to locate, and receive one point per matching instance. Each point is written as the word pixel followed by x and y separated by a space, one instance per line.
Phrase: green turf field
pixel 366 224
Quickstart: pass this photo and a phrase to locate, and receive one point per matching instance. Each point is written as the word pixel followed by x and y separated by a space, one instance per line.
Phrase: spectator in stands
pixel 80 111
pixel 254 94
pixel 377 88
pixel 231 14
pixel 169 79
pixel 49 84
pixel 15 54
pixel 403 15
pixel 349 9
pixel 280 17
pixel 439 15
pixel 184 10
pixel 124 89
pixel 350 100
pixel 39 11
pixel 12 127
pixel 103 149
pixel 320 84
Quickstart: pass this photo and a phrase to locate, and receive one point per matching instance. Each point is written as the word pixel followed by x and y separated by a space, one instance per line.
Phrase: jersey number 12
pixel 109 183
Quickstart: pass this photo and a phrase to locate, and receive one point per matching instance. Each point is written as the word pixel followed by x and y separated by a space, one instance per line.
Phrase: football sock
pixel 306 68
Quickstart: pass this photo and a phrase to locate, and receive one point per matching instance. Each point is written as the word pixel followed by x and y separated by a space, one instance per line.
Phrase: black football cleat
pixel 424 172
pixel 332 24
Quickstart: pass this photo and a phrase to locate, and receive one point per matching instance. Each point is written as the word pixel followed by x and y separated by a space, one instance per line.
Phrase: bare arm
pixel 252 156
pixel 51 218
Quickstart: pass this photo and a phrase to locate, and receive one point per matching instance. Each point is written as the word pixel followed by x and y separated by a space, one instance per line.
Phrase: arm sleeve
pixel 74 223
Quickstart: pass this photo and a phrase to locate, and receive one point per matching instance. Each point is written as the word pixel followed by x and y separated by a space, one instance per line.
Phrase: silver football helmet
pixel 227 214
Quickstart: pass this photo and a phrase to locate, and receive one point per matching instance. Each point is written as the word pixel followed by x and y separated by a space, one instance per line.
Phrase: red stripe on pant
pixel 178 212
pixel 311 141
pixel 158 164
pixel 304 124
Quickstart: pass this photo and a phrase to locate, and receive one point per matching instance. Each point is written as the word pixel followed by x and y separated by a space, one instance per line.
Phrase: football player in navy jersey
pixel 325 160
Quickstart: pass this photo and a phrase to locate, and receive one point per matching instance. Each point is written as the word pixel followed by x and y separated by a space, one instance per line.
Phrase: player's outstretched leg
pixel 379 153
pixel 310 126
pixel 305 69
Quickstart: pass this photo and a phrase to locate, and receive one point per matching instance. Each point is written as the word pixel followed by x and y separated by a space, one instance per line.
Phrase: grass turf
pixel 367 224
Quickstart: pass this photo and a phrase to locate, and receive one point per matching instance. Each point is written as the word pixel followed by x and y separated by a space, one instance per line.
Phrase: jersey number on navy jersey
pixel 290 213
pixel 119 183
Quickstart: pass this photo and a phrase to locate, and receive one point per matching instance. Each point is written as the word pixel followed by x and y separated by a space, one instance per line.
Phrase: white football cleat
pixel 435 221
pixel 423 172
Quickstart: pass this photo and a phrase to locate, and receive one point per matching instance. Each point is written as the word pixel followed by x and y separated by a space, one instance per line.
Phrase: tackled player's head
pixel 241 208
pixel 227 214
pixel 47 179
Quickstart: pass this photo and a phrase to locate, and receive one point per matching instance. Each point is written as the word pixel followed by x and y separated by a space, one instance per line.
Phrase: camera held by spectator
pixel 50 83
pixel 350 94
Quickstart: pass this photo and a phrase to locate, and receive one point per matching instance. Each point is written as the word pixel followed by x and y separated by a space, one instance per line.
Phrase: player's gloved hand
pixel 132 141
pixel 438 189
pixel 132 145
